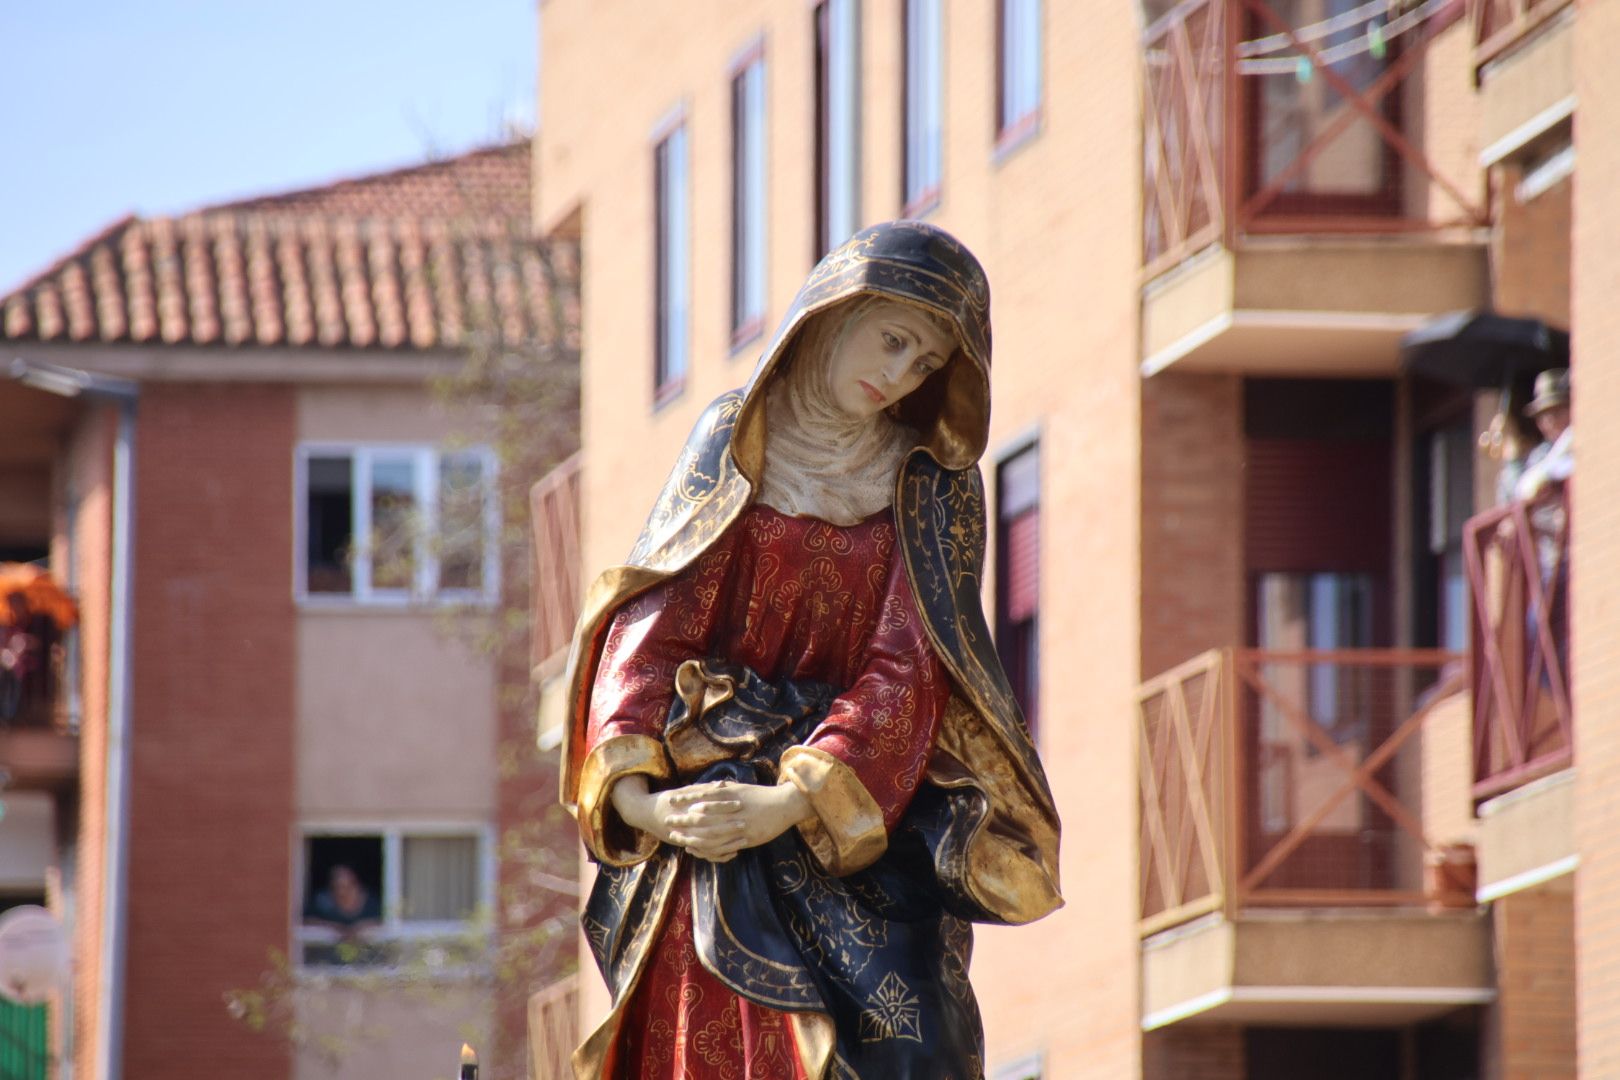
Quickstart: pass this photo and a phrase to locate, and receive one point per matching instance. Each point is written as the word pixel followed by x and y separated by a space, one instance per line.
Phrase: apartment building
pixel 263 777
pixel 1263 274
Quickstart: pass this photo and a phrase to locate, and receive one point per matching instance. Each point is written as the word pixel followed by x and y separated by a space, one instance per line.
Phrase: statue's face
pixel 884 354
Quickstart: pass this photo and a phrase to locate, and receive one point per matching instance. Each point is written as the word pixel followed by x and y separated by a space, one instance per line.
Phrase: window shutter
pixel 1023 539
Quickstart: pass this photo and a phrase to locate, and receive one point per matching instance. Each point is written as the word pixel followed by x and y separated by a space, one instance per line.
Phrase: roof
pixel 417 258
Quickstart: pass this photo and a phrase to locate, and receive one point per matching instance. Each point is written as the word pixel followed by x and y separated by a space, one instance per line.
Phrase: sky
pixel 162 106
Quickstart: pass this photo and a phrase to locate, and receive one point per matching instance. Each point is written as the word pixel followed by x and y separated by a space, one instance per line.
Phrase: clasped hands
pixel 715 820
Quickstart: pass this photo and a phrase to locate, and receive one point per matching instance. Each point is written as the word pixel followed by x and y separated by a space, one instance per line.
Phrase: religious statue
pixel 792 749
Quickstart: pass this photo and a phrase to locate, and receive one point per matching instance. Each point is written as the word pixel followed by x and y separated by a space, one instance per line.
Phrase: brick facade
pixel 1595 545
pixel 1534 1022
pixel 1206 1052
pixel 213 716
pixel 1192 517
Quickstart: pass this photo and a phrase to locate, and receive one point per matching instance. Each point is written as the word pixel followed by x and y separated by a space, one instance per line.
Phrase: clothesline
pixel 1377 35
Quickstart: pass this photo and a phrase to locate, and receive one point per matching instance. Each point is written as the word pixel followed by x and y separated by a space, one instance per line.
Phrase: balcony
pixel 39 747
pixel 554 1028
pixel 1291 867
pixel 1517 561
pixel 554 503
pixel 1524 67
pixel 1293 222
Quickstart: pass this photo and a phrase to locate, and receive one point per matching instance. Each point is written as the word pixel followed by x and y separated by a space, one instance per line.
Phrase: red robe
pixel 789 597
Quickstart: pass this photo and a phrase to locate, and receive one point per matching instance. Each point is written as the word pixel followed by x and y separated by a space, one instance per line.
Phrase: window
pixel 1018 576
pixel 385 524
pixel 838 128
pixel 923 106
pixel 367 895
pixel 674 285
pixel 748 198
pixel 1018 70
pixel 1293 106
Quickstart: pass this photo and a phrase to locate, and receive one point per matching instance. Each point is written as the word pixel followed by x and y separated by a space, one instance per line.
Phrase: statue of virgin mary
pixel 792 751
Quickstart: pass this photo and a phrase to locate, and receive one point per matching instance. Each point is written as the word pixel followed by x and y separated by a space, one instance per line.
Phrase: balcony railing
pixel 1499 25
pixel 30 659
pixel 1259 120
pixel 1517 561
pixel 554 514
pixel 554 1028
pixel 1273 779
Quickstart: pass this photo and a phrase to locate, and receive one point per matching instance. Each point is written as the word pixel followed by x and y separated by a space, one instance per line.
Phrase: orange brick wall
pixel 1192 517
pixel 214 667
pixel 1534 1022
pixel 1595 523
pixel 1185 1052
pixel 1530 252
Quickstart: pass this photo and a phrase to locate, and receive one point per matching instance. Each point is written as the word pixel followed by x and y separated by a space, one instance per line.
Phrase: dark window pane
pixel 343 890
pixel 1018 577
pixel 329 522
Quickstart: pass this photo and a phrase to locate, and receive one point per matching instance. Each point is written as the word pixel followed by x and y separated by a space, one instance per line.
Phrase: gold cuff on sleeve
pixel 847 834
pixel 604 832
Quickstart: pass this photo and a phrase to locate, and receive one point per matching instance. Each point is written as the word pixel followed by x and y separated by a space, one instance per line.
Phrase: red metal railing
pixel 1251 116
pixel 554 514
pixel 1517 560
pixel 1284 779
pixel 1499 25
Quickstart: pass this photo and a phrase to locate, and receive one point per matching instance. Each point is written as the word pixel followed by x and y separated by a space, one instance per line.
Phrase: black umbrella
pixel 1473 348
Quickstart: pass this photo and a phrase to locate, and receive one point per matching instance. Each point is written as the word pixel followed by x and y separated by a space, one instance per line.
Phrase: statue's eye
pixel 890 341
pixel 924 368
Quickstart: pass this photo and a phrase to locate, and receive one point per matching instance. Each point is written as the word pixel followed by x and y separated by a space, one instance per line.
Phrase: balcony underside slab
pixel 39 759
pixel 1319 967
pixel 1527 837
pixel 1305 307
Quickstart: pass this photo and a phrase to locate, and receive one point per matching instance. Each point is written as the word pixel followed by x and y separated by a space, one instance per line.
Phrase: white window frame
pixel 841 216
pixel 393 928
pixel 923 122
pixel 750 177
pixel 1021 37
pixel 672 257
pixel 424 589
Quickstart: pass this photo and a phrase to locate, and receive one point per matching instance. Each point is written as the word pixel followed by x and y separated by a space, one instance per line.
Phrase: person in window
pixel 792 749
pixel 345 905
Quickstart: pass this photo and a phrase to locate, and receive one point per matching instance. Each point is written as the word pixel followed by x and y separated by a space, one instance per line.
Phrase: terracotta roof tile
pixel 415 258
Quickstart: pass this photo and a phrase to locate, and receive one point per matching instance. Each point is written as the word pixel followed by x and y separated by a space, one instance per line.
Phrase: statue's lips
pixel 872 392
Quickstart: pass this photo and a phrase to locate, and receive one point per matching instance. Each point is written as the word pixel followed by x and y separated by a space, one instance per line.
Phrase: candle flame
pixel 468 1056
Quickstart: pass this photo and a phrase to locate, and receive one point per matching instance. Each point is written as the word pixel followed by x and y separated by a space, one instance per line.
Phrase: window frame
pixel 826 43
pixel 424 591
pixel 1028 443
pixel 1012 132
pixel 917 202
pixel 750 223
pixel 392 929
pixel 672 352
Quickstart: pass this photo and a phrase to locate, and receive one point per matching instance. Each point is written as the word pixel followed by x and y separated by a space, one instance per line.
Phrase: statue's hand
pixel 713 821
pixel 729 817
pixel 698 816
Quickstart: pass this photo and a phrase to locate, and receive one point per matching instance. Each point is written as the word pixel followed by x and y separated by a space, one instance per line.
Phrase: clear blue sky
pixel 161 106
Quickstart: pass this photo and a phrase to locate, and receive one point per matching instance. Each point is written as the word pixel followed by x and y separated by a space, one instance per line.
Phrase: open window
pixel 374 897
